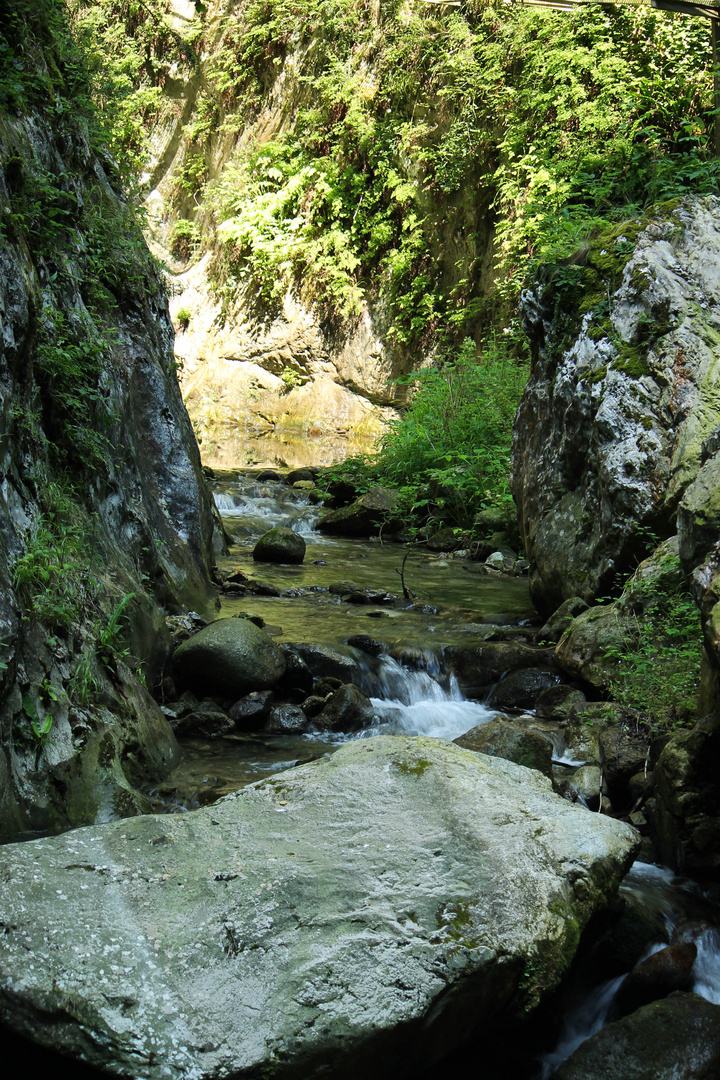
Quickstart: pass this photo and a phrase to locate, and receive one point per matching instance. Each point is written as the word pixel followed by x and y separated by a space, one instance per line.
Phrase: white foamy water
pixel 260 508
pixel 413 703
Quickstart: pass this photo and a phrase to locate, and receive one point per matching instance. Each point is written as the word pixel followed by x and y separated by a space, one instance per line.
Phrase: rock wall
pixel 617 432
pixel 105 522
pixel 231 403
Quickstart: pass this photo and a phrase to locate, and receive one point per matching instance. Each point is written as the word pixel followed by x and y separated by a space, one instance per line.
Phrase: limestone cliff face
pixel 617 432
pixel 232 359
pixel 101 490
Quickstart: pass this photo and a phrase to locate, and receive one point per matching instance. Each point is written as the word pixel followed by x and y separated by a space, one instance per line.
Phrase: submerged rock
pixel 230 656
pixel 260 934
pixel 279 545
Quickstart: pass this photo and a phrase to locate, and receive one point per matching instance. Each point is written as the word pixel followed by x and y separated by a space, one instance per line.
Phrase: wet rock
pixel 623 752
pixel 327 685
pixel 447 539
pixel 322 660
pixel 674 1039
pixel 367 644
pixel 207 721
pixel 251 709
pixel 175 710
pixel 270 476
pixel 557 702
pixel 312 705
pixel 346 710
pixel 684 813
pixel 262 588
pixel 365 516
pixel 301 475
pixel 231 657
pixel 561 619
pixel 503 560
pixel 307 974
pixel 343 588
pixel 279 545
pixel 298 675
pixel 478 666
pixel 505 739
pixel 586 785
pixel 521 688
pixel 285 720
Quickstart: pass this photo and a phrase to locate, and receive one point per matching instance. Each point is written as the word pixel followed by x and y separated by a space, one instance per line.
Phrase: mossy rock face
pixel 400 889
pixel 601 453
pixel 674 1039
pixel 365 516
pixel 582 650
pixel 514 742
pixel 229 657
pixel 280 545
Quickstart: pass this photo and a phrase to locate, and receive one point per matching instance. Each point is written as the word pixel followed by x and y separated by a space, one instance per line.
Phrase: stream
pixel 412 693
pixel 456 602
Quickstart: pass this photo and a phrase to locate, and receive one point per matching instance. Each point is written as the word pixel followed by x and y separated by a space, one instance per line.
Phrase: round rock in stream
pixel 360 915
pixel 279 545
pixel 231 657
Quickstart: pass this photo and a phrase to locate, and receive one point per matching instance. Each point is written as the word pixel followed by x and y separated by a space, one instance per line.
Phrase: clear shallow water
pixel 455 604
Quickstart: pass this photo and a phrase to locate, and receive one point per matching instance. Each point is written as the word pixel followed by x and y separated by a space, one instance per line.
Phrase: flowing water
pixel 455 603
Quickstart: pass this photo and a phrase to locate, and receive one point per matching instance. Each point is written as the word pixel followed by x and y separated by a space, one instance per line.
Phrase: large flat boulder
pixel 361 914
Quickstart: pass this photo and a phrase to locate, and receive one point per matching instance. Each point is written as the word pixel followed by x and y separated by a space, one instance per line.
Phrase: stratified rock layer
pixel 366 912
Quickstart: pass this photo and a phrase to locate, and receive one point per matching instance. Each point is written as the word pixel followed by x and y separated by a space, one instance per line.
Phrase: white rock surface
pixel 357 916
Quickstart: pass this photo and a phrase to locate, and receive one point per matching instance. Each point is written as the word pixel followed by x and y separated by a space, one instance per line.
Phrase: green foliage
pixel 290 379
pixel 455 437
pixel 184 317
pixel 658 672
pixel 185 240
pixel 53 575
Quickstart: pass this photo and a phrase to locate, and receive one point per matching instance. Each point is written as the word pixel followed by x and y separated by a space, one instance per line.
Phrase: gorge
pixel 370 805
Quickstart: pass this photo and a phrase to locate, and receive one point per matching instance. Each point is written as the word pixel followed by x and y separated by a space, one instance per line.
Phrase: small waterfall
pixel 413 702
pixel 262 506
pixel 687 914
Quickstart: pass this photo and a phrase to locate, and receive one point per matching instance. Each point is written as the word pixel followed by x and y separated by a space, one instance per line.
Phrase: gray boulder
pixel 208 721
pixel 279 545
pixel 231 657
pixel 674 1039
pixel 520 689
pixel 322 661
pixel 365 516
pixel 346 710
pixel 514 742
pixel 401 890
pixel 285 720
